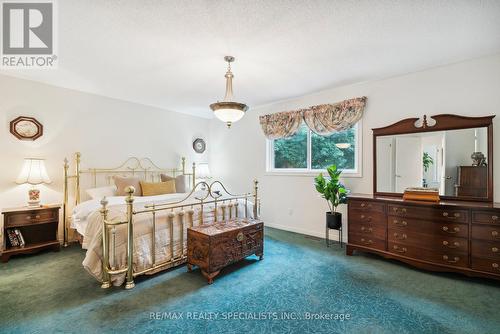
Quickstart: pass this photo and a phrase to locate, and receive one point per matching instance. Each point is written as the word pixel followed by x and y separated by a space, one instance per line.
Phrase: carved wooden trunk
pixel 214 246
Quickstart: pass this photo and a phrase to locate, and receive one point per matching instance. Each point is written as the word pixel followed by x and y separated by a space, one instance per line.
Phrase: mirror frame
pixel 442 122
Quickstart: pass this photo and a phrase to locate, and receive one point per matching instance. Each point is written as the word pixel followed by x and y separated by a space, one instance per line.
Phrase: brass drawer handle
pixel 399 250
pixel 367 230
pixel 495 266
pixel 456 244
pixel 366 242
pixel 455 259
pixel 403 210
pixel 368 219
pixel 447 230
pixel 494 234
pixel 240 236
pixel 494 249
pixel 400 236
pixel 455 215
pixel 28 217
pixel 366 205
pixel 494 218
pixel 37 216
pixel 398 223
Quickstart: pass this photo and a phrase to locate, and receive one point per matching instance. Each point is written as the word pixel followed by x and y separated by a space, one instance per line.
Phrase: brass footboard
pixel 182 211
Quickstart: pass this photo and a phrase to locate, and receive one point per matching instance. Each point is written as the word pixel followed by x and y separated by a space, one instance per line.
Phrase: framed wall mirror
pixel 451 153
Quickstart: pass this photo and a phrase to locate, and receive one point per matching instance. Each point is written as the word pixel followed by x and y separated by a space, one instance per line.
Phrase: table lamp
pixel 202 171
pixel 34 173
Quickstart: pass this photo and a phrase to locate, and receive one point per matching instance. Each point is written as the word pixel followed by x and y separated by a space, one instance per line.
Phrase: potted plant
pixel 427 161
pixel 334 192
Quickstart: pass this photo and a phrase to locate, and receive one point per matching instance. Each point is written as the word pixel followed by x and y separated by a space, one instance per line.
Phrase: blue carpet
pixel 298 279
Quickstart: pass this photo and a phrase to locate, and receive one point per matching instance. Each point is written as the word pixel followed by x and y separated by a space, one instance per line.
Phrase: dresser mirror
pixel 451 153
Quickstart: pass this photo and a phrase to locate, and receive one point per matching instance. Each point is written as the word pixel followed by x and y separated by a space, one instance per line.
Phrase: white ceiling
pixel 169 54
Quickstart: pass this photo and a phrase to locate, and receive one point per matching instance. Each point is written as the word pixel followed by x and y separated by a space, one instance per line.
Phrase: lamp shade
pixel 33 172
pixel 202 171
pixel 229 115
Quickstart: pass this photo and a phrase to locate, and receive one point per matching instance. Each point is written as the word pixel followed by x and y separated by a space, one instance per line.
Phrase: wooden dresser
pixel 215 246
pixel 453 236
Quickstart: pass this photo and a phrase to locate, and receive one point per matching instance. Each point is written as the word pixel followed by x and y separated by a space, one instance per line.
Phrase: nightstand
pixel 36 227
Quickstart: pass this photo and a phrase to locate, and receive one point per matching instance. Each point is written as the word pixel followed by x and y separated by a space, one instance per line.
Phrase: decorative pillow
pixel 123 182
pixel 159 188
pixel 98 193
pixel 181 182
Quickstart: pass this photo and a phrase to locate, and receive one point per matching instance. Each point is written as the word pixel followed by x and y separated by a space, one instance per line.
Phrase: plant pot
pixel 334 220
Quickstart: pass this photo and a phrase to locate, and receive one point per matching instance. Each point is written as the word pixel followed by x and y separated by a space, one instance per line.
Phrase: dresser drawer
pixel 411 225
pixel 486 232
pixel 360 205
pixel 459 216
pixel 31 217
pixel 366 241
pixel 489 265
pixel 368 229
pixel 362 217
pixel 485 249
pixel 446 257
pixel 433 242
pixel 486 217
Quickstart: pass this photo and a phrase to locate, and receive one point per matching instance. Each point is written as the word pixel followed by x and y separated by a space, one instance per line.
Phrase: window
pixel 309 152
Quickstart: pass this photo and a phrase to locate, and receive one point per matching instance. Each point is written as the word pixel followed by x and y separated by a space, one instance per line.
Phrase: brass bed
pixel 214 198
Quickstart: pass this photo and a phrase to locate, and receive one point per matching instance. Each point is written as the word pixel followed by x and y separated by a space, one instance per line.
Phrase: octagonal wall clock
pixel 26 128
pixel 199 145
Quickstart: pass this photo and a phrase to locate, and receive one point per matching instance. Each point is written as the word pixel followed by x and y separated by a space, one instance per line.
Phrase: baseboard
pixel 333 234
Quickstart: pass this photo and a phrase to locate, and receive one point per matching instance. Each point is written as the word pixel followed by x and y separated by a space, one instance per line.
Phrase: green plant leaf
pixel 332 190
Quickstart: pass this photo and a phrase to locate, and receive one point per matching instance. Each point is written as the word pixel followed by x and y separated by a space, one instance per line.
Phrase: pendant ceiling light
pixel 229 111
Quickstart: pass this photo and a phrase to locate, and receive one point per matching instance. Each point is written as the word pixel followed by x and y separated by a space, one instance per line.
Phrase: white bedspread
pixel 87 218
pixel 82 211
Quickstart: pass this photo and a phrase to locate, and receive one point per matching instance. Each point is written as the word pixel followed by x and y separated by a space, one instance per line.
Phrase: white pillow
pixel 99 193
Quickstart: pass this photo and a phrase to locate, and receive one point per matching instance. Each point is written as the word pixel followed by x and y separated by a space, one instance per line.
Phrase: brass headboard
pixel 144 168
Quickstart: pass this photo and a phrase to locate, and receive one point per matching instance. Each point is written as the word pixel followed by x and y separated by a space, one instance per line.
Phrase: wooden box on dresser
pixel 453 236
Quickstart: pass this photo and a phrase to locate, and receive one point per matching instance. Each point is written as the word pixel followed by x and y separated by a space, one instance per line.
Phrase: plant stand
pixel 327 237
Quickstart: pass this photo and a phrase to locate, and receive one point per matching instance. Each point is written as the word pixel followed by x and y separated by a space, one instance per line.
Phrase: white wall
pixel 290 202
pixel 104 130
pixel 385 163
pixel 433 145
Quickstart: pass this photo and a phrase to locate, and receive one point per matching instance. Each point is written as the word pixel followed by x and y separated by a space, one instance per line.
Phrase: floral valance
pixel 281 125
pixel 323 119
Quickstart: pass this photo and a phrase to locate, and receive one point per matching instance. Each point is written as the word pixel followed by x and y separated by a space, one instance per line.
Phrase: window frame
pixel 358 154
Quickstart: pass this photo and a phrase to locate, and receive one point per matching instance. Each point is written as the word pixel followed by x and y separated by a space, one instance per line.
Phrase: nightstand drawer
pixel 31 217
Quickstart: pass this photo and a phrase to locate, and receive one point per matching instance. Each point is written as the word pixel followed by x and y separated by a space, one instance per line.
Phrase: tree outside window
pixel 307 151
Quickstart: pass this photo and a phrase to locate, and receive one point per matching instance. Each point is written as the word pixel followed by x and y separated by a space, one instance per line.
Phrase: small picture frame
pixel 26 128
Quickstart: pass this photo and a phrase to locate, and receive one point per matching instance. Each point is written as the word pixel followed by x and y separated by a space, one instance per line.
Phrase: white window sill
pixel 310 173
